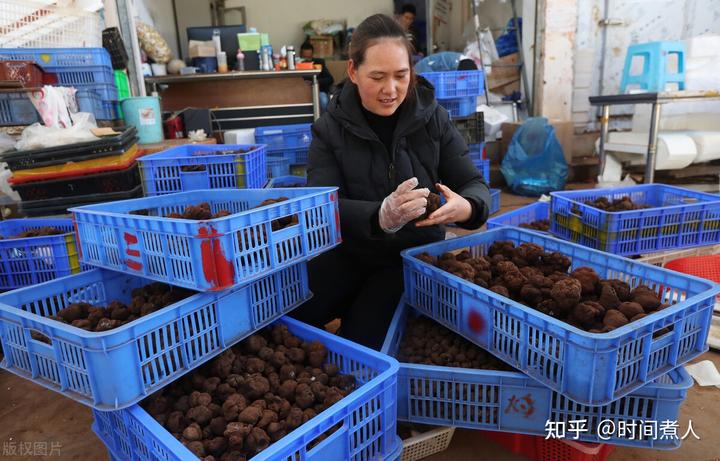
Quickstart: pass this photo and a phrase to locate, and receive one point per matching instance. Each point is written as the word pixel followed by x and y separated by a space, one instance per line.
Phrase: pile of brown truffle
pixel 539 225
pixel 145 301
pixel 38 232
pixel 620 204
pixel 250 396
pixel 540 280
pixel 426 342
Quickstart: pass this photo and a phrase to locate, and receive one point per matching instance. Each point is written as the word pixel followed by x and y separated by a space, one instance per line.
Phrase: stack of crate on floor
pixel 565 377
pixel 287 148
pixel 89 70
pixel 51 180
pixel 223 274
pixel 457 90
pixel 617 387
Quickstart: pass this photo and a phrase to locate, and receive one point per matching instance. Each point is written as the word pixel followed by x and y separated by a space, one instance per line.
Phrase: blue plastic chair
pixel 655 75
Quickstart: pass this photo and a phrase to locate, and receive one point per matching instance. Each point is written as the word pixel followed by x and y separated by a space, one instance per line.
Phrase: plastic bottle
pixel 291 57
pixel 240 64
pixel 222 62
pixel 216 40
pixel 276 61
pixel 265 60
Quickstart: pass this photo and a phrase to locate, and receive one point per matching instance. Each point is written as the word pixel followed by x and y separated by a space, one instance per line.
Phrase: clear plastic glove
pixel 402 206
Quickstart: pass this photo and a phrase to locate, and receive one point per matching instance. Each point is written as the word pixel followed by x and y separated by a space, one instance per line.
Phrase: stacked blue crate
pixel 249 272
pixel 287 145
pixel 457 91
pixel 89 70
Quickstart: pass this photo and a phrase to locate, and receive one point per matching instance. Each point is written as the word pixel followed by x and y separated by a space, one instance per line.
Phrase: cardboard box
pixel 338 69
pixel 504 71
pixel 565 131
pixel 322 46
pixel 200 49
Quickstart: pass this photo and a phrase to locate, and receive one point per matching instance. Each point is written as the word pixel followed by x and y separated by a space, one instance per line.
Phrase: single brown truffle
pixel 608 298
pixel 588 313
pixel 566 293
pixel 614 319
pixel 631 309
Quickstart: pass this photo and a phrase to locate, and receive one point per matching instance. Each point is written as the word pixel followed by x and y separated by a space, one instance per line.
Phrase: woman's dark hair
pixel 306 45
pixel 408 8
pixel 373 29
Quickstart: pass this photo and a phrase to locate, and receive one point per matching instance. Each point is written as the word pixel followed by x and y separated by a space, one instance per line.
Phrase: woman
pixel 385 143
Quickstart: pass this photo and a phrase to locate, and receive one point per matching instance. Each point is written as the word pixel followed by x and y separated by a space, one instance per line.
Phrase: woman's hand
pixel 402 206
pixel 456 209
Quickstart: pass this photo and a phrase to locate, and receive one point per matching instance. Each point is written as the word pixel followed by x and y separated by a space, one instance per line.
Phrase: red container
pixel 538 448
pixel 27 73
pixel 174 128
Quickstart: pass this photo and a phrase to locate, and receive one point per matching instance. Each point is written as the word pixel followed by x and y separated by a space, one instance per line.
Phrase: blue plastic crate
pixel 106 91
pixel 485 399
pixel 476 151
pixel 192 167
pixel 494 201
pixel 33 260
pixel 73 66
pixel 456 83
pixel 287 181
pixel 459 107
pixel 214 254
pixel 17 109
pixel 297 156
pixel 278 166
pixel 589 368
pixel 90 101
pixel 367 417
pixel 484 166
pixel 524 215
pixel 679 218
pixel 120 367
pixel 283 137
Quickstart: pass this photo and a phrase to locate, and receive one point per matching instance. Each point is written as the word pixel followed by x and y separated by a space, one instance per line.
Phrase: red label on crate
pixel 476 322
pixel 525 405
pixel 134 265
pixel 217 269
pixel 131 239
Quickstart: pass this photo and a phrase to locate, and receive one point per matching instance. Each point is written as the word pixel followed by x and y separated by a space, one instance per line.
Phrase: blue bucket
pixel 144 114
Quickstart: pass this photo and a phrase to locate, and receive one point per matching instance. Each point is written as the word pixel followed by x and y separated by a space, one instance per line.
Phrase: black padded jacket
pixel 345 152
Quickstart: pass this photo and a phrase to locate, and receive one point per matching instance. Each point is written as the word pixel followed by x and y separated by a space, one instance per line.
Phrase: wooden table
pixel 243 99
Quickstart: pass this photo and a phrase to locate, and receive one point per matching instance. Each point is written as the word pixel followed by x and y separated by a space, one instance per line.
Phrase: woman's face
pixel 383 78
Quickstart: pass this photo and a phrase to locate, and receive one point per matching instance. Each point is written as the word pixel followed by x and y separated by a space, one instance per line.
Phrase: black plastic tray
pixel 100 183
pixel 58 155
pixel 60 205
pixel 472 127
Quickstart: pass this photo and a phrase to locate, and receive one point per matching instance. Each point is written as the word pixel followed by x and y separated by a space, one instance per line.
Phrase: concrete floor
pixel 40 421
